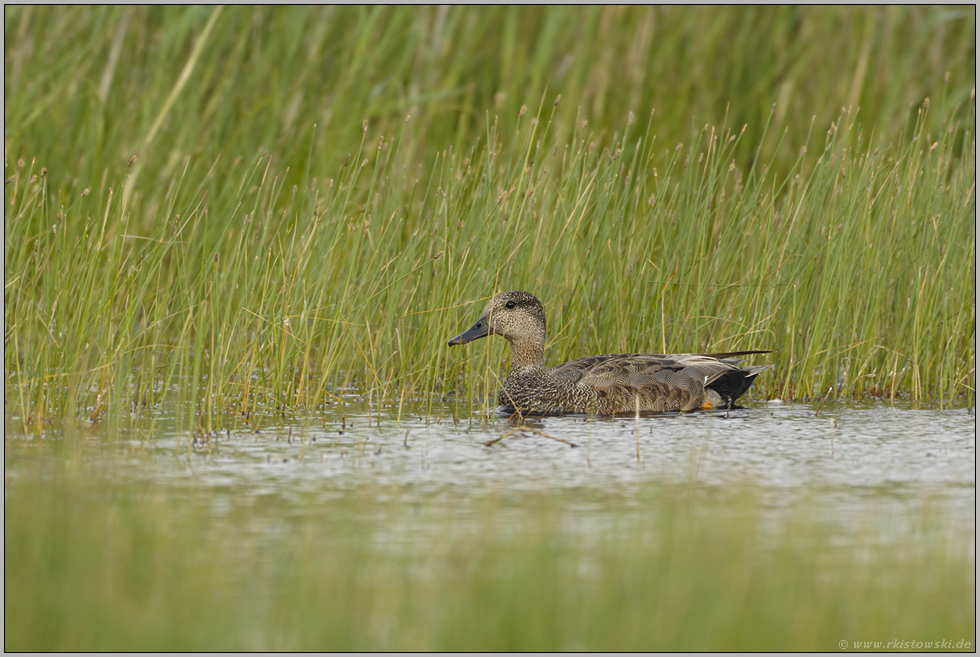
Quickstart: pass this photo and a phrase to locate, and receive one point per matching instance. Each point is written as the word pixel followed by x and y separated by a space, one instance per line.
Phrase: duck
pixel 603 385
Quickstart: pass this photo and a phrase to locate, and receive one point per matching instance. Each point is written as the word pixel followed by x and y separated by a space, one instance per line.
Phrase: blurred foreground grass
pixel 90 564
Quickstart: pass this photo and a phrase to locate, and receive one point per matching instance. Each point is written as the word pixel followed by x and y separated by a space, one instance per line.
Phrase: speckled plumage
pixel 602 385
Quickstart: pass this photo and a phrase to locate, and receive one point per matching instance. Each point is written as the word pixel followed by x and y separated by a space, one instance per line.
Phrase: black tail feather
pixel 733 384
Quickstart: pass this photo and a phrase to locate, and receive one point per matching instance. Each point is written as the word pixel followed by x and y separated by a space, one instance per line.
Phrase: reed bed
pixel 213 239
pixel 86 87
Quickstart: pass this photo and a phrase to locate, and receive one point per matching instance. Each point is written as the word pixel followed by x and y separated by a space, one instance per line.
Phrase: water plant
pixel 204 256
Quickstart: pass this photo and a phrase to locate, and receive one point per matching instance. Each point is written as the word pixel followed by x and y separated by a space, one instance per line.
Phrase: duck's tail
pixel 732 384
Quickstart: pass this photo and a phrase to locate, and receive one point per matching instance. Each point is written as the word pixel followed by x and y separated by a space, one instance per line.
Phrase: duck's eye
pixel 511 304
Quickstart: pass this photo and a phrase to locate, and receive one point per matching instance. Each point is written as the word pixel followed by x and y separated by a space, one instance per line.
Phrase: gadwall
pixel 603 385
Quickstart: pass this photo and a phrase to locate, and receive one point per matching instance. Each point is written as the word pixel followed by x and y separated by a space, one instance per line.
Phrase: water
pixel 850 462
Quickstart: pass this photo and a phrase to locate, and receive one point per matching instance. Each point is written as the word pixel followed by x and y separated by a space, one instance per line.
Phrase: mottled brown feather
pixel 603 385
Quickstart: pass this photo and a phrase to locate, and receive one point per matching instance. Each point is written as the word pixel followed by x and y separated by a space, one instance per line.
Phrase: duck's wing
pixel 617 369
pixel 590 368
pixel 688 372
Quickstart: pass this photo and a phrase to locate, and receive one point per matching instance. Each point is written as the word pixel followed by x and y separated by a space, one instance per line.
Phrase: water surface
pixel 854 463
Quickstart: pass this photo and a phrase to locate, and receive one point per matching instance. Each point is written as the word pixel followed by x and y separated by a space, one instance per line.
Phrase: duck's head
pixel 518 316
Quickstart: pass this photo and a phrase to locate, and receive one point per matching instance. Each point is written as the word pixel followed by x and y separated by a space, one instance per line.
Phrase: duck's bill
pixel 475 332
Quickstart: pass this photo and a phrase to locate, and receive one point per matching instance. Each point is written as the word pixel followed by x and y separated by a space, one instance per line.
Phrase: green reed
pixel 858 275
pixel 88 87
pixel 239 268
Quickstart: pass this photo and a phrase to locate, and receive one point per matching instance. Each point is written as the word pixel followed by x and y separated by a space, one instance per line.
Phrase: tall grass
pixel 90 564
pixel 266 249
pixel 86 88
pixel 859 275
